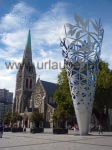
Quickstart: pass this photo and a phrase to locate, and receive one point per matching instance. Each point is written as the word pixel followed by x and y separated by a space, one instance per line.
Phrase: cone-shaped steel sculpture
pixel 81 48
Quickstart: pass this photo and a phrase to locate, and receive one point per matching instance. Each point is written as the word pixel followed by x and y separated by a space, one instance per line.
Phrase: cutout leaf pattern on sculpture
pixel 81 50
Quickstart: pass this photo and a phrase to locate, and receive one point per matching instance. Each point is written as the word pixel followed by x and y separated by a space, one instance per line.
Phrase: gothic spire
pixel 27 52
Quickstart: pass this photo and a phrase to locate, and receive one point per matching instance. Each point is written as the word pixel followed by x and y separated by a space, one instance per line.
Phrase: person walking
pixel 24 129
pixel 1 130
pixel 100 129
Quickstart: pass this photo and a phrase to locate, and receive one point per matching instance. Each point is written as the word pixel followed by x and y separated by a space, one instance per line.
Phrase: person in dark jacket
pixel 1 130
pixel 100 129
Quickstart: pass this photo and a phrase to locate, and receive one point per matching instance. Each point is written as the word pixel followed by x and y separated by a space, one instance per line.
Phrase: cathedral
pixel 29 94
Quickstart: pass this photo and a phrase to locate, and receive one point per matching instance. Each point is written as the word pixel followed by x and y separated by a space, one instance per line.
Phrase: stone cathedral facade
pixel 29 94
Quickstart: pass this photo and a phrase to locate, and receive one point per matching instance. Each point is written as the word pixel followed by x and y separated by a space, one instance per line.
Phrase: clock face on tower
pixel 37 101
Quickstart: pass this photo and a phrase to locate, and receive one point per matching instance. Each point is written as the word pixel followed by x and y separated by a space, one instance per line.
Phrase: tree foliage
pixel 7 118
pixel 63 95
pixel 36 118
pixel 103 95
pixel 63 98
pixel 14 117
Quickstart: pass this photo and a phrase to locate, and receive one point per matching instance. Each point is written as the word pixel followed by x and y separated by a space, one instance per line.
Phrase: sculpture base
pixel 83 119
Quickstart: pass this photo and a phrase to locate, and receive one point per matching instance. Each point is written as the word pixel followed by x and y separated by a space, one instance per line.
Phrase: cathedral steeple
pixel 26 79
pixel 28 52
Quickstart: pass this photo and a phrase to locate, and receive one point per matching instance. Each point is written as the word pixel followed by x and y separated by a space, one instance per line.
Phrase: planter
pixel 60 131
pixel 37 130
pixel 17 130
pixel 7 129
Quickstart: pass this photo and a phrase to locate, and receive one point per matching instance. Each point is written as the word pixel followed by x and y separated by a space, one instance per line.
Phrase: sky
pixel 46 19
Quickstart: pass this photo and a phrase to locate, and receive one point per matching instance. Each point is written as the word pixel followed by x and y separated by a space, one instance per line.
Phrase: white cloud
pixel 15 39
pixel 43 53
pixel 45 40
pixel 44 30
pixel 23 9
pixel 47 75
pixel 18 18
pixel 106 53
pixel 47 28
pixel 7 79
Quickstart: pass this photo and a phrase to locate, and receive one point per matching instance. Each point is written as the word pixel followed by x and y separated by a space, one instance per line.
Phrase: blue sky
pixel 46 20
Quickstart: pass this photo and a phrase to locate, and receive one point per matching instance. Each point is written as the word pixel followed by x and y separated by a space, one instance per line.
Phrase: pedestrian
pixel 24 129
pixel 100 129
pixel 1 130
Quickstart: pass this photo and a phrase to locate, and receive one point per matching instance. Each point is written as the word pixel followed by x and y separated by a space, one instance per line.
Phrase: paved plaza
pixel 22 141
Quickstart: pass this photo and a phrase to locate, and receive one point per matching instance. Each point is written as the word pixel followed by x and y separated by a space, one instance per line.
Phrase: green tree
pixel 7 118
pixel 103 94
pixel 14 118
pixel 63 99
pixel 36 118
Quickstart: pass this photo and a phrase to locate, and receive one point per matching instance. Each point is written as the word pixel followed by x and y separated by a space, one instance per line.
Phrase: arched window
pixel 30 83
pixel 27 83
